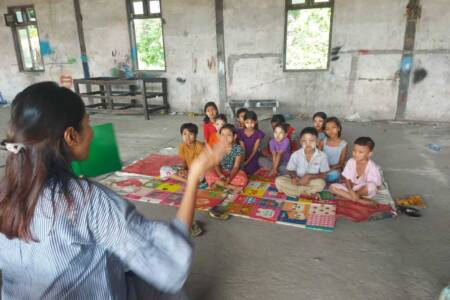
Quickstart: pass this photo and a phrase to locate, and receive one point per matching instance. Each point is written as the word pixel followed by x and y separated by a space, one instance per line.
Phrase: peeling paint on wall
pixel 46 48
pixel 71 60
pixel 233 59
pixel 419 75
pixel 194 65
pixel 212 64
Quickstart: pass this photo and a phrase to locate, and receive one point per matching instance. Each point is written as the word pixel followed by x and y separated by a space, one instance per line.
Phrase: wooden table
pixel 124 96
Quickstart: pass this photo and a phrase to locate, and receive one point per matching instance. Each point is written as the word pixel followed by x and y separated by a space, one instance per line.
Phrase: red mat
pixel 358 212
pixel 151 164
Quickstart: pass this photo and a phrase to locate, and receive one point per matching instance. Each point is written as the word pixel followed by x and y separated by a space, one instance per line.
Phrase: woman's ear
pixel 71 136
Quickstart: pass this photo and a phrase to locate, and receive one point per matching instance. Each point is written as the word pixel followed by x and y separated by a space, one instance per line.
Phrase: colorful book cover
pixel 210 193
pixel 173 199
pixel 273 193
pixel 298 206
pixel 305 201
pixel 266 214
pixel 293 218
pixel 243 210
pixel 322 217
pixel 290 198
pixel 294 213
pixel 157 196
pixel 204 203
pixel 255 189
pixel 152 183
pixel 269 203
pixel 246 200
pixel 170 187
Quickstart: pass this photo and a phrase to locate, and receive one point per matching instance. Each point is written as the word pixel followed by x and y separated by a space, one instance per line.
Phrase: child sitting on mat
pixel 319 119
pixel 306 168
pixel 335 148
pixel 210 112
pixel 279 119
pixel 250 139
pixel 239 122
pixel 280 149
pixel 188 150
pixel 228 173
pixel 220 120
pixel 361 175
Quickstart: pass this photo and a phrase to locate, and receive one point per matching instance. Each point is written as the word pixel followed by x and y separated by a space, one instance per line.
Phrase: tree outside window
pixel 26 38
pixel 146 26
pixel 308 34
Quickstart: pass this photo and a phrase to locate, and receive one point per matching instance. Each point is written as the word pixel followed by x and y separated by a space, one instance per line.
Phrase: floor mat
pixel 260 200
pixel 151 165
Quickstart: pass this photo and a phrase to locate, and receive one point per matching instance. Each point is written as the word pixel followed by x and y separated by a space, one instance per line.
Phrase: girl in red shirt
pixel 210 112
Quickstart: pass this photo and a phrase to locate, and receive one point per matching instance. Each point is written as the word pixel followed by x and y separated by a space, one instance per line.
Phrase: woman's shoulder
pixel 92 192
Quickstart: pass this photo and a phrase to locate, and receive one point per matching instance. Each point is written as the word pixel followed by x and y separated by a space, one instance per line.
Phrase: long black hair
pixel 232 129
pixel 40 115
pixel 335 121
pixel 252 116
pixel 206 119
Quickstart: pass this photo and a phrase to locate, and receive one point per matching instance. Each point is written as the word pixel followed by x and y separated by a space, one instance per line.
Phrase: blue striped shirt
pixel 82 253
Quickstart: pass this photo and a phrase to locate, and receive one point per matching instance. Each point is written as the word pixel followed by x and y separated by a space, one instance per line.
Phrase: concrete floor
pixel 402 258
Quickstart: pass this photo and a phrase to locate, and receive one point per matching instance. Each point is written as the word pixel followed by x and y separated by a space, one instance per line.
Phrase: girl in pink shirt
pixel 361 176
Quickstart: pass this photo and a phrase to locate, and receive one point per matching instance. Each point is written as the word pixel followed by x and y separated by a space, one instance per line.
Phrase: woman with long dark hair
pixel 62 237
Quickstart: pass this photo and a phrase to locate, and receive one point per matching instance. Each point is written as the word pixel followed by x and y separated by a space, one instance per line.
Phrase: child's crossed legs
pixel 366 190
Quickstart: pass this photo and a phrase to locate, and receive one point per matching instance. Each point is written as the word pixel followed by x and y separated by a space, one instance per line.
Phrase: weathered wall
pixel 429 99
pixel 190 45
pixel 57 27
pixel 362 82
pixel 190 40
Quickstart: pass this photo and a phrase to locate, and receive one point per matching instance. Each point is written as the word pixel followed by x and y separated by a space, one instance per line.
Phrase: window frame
pixel 309 4
pixel 132 32
pixel 17 46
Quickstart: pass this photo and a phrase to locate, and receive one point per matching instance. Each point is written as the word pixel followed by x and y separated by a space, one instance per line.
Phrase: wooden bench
pixel 124 96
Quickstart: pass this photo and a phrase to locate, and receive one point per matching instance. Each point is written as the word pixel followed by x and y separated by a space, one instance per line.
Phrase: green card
pixel 103 155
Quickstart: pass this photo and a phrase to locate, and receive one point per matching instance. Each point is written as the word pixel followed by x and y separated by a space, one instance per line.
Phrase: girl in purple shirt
pixel 280 150
pixel 250 139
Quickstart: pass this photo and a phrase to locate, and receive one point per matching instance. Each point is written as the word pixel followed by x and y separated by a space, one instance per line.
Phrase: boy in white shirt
pixel 306 168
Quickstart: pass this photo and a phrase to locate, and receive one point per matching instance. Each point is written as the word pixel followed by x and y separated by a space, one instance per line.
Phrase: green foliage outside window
pixel 308 38
pixel 149 43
